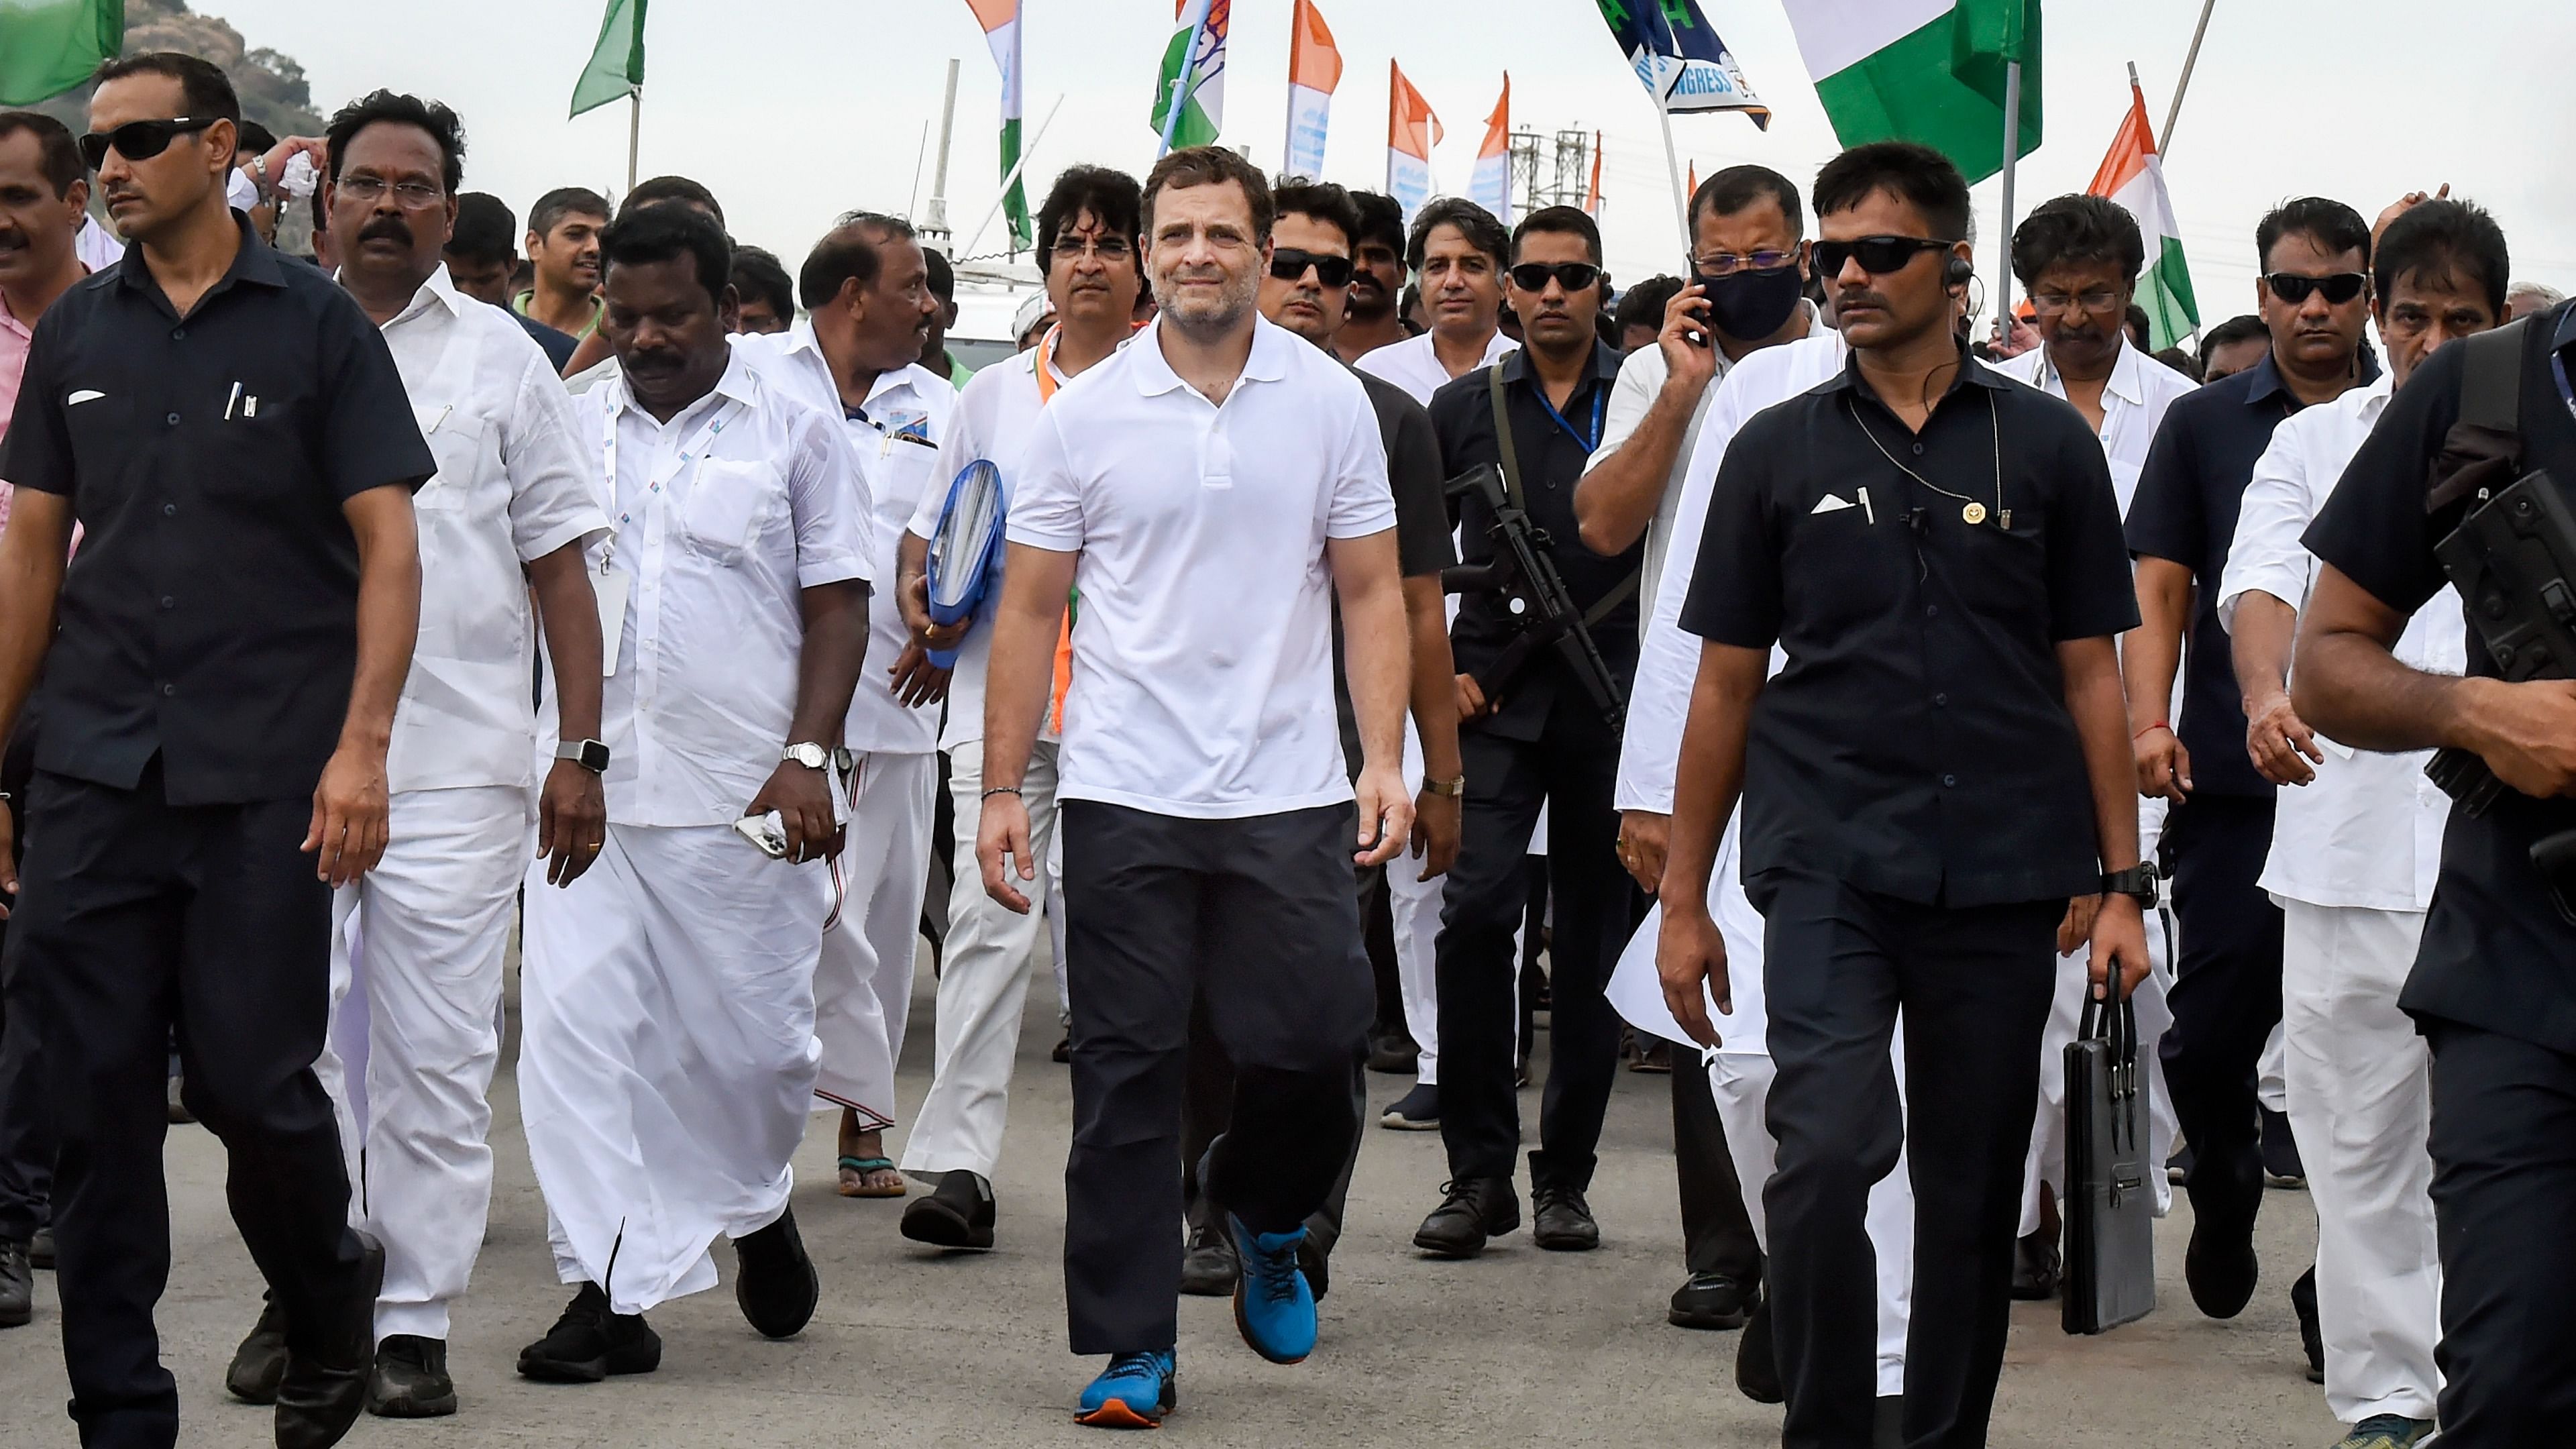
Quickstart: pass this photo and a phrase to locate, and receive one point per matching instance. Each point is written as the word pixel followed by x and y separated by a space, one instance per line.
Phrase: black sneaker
pixel 1757 1360
pixel 1710 1301
pixel 260 1361
pixel 1208 1265
pixel 40 1250
pixel 410 1381
pixel 1415 1111
pixel 957 1214
pixel 589 1343
pixel 2312 1339
pixel 1470 1212
pixel 2281 1165
pixel 17 1285
pixel 325 1385
pixel 774 1280
pixel 1561 1221
pixel 2036 1268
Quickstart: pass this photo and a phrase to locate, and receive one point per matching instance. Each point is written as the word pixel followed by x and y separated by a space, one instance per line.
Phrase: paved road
pixel 1519 1348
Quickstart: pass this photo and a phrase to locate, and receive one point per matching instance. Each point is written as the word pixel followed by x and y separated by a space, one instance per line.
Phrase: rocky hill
pixel 272 86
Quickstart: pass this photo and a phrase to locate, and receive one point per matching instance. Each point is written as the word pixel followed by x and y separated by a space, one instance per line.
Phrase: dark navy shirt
pixel 2185 510
pixel 210 616
pixel 2495 954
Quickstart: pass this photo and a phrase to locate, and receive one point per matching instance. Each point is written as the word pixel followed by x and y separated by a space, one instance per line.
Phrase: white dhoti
pixel 416 962
pixel 984 978
pixel 863 988
pixel 2360 1105
pixel 2046 1162
pixel 668 1053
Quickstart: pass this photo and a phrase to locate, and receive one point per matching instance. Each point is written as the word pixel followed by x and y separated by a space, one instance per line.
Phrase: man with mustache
pixel 1086 237
pixel 1377 279
pixel 866 289
pixel 506 517
pixel 1457 249
pixel 667 1067
pixel 2314 297
pixel 1213 488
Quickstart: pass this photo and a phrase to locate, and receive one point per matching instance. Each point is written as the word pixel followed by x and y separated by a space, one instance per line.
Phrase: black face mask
pixel 1750 306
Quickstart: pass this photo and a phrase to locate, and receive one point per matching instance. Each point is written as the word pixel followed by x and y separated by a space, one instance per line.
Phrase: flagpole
pixel 1011 178
pixel 2012 154
pixel 634 130
pixel 1673 169
pixel 1181 82
pixel 2164 138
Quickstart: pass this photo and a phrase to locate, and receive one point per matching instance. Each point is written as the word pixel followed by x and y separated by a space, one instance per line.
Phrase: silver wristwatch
pixel 811 756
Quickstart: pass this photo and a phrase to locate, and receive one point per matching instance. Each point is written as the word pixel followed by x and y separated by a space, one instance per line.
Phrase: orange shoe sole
pixel 1116 1415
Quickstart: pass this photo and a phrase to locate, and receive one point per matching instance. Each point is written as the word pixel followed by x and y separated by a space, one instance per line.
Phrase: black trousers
pixel 1572 770
pixel 2226 999
pixel 26 1129
pixel 1974 986
pixel 2504 1172
pixel 135 915
pixel 1256 917
pixel 1717 1233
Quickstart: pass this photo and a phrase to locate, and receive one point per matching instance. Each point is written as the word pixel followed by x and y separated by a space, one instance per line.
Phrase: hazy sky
pixel 794 110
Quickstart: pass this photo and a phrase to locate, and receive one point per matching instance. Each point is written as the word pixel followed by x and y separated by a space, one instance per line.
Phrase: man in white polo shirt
pixel 1203 488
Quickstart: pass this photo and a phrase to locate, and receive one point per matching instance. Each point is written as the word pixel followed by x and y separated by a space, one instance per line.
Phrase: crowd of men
pixel 357 611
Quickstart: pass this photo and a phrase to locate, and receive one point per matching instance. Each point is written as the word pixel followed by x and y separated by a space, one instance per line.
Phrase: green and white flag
pixel 1197 45
pixel 616 68
pixel 1930 71
pixel 2134 176
pixel 49 46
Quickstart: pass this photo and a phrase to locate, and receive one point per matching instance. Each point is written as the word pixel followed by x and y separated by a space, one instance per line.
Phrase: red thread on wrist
pixel 2151 729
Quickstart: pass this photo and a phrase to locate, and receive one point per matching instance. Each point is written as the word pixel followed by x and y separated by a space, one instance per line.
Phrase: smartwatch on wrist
pixel 591 755
pixel 2137 882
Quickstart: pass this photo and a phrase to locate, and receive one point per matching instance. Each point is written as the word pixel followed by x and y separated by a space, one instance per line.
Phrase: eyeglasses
pixel 1572 276
pixel 1289 264
pixel 409 195
pixel 2339 288
pixel 1727 264
pixel 2054 304
pixel 139 140
pixel 1110 249
pixel 1877 255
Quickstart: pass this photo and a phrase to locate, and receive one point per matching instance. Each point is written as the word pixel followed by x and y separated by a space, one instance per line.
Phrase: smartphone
pixel 768 833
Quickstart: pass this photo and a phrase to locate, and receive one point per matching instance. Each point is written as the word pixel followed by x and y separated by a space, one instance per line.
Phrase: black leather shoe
pixel 1757 1362
pixel 2036 1268
pixel 1394 1054
pixel 1208 1265
pixel 17 1285
pixel 2221 1268
pixel 410 1381
pixel 589 1343
pixel 1470 1213
pixel 40 1250
pixel 261 1360
pixel 774 1280
pixel 1710 1300
pixel 2303 1302
pixel 325 1387
pixel 2281 1165
pixel 1561 1221
pixel 957 1214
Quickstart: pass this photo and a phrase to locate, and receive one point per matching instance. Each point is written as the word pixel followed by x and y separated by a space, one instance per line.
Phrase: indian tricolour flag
pixel 1314 69
pixel 2134 176
pixel 1490 184
pixel 1930 71
pixel 1194 74
pixel 1001 22
pixel 1411 131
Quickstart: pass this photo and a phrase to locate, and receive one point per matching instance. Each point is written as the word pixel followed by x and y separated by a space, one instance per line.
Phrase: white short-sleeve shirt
pixel 2134 399
pixel 1415 367
pixel 1202 654
pixel 512 486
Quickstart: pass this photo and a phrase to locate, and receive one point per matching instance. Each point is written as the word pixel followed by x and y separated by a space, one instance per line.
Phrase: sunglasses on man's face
pixel 1289 264
pixel 1877 255
pixel 2339 288
pixel 1572 276
pixel 139 140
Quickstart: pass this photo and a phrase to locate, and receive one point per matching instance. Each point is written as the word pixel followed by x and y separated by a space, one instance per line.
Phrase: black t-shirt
pixel 2189 493
pixel 1422 542
pixel 1918 742
pixel 210 616
pixel 2495 954
pixel 559 346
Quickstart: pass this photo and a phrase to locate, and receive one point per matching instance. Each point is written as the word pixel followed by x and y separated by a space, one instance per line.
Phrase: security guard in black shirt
pixel 1940 768
pixel 228 429
pixel 1537 740
pixel 2494 985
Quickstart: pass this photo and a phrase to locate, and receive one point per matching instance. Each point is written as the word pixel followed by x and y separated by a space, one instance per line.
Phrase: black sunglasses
pixel 1878 255
pixel 1289 264
pixel 1572 276
pixel 139 140
pixel 2339 288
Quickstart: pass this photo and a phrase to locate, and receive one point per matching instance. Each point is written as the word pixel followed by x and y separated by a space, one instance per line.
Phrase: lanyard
pixel 2558 367
pixel 1600 404
pixel 697 447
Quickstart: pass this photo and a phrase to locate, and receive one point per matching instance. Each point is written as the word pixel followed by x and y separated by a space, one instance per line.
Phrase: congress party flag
pixel 49 46
pixel 1411 131
pixel 616 68
pixel 1193 74
pixel 1314 69
pixel 1679 59
pixel 1001 22
pixel 1592 198
pixel 1930 71
pixel 1490 186
pixel 2134 176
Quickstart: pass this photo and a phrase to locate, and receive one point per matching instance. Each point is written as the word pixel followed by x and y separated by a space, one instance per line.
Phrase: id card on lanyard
pixel 611 584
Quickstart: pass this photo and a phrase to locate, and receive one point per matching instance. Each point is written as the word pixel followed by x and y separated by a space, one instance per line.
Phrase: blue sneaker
pixel 1134 1392
pixel 1273 1305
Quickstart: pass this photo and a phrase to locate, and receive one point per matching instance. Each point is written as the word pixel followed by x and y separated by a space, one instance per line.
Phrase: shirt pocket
pixel 463 444
pixel 727 504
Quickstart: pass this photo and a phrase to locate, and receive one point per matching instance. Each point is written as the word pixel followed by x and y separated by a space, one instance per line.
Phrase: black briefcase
pixel 2110 1274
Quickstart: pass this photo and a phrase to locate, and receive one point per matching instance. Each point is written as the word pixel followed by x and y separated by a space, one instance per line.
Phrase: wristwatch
pixel 1454 789
pixel 811 756
pixel 591 755
pixel 2138 882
